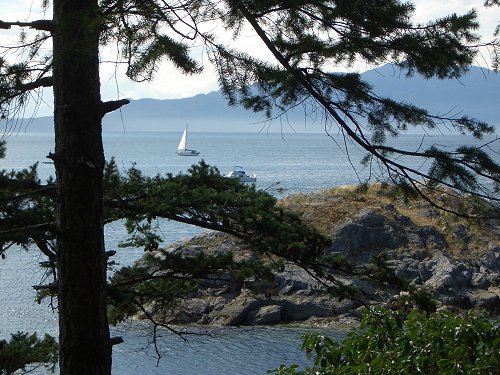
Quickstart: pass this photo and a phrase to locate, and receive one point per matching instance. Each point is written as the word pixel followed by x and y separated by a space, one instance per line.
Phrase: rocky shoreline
pixel 457 262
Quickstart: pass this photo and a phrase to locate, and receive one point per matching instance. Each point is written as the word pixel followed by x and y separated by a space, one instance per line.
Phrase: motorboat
pixel 241 175
pixel 182 150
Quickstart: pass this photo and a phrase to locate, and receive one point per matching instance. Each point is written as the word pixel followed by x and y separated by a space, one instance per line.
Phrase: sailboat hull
pixel 187 152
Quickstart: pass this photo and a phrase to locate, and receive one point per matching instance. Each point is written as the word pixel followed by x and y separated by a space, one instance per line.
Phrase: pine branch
pixel 343 117
pixel 138 210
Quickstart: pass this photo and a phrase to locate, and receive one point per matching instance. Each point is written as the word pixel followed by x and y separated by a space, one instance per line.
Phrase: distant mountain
pixel 203 112
pixel 475 94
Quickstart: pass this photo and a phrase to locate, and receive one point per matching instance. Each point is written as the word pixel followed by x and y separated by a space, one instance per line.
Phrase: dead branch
pixel 113 105
pixel 50 287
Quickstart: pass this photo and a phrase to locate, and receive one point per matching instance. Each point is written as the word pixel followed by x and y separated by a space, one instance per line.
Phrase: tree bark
pixel 79 162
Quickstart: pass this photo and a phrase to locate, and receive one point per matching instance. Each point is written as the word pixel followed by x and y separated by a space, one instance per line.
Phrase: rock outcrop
pixel 420 253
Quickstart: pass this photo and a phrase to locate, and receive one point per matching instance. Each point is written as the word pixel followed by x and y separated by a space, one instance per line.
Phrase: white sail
pixel 182 143
pixel 182 149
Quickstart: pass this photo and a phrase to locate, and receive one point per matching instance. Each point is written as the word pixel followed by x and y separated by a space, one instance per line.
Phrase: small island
pixel 457 261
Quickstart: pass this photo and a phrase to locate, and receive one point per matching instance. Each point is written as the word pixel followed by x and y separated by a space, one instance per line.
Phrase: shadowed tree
pixel 305 38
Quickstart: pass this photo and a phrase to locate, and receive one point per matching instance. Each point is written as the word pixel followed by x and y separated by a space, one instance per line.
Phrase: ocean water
pixel 293 162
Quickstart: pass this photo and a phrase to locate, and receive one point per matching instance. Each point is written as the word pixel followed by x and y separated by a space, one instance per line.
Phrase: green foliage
pixel 371 31
pixel 390 342
pixel 27 351
pixel 18 78
pixel 138 27
pixel 201 197
pixel 27 209
pixel 205 198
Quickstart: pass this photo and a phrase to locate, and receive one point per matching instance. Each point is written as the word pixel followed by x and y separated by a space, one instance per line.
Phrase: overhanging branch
pixel 19 90
pixel 45 25
pixel 40 82
pixel 378 151
pixel 175 217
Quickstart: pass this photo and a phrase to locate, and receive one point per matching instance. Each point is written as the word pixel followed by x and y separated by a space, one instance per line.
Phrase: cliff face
pixel 458 262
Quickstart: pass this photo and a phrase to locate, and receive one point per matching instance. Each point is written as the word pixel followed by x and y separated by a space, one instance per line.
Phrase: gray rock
pixel 462 301
pixel 448 278
pixel 426 237
pixel 444 284
pixel 404 221
pixel 265 315
pixel 371 219
pixel 304 310
pixel 494 279
pixel 217 280
pixel 426 269
pixel 432 238
pixel 406 268
pixel 295 280
pixel 369 230
pixel 235 312
pixel 294 286
pixel 191 310
pixel 462 233
pixel 390 208
pixel 480 280
pixel 489 301
pixel 464 275
pixel 491 259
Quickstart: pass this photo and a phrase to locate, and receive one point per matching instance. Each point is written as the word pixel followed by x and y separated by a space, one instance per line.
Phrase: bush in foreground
pixel 25 352
pixel 390 342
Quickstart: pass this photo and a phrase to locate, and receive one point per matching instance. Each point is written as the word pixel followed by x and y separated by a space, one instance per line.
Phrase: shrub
pixel 416 343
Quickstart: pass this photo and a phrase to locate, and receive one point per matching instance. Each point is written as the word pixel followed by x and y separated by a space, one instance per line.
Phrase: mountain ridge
pixel 474 95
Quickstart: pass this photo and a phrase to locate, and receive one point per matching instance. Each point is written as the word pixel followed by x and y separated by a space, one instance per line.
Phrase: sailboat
pixel 182 150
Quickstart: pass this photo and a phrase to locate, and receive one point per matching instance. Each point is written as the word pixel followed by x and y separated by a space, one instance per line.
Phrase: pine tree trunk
pixel 79 162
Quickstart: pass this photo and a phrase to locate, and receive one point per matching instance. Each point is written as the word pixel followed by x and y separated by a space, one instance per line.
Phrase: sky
pixel 170 84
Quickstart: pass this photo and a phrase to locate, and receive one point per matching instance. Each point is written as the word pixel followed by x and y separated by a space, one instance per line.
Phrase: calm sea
pixel 293 162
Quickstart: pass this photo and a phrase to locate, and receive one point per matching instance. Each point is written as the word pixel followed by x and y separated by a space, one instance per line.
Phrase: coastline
pixel 457 262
